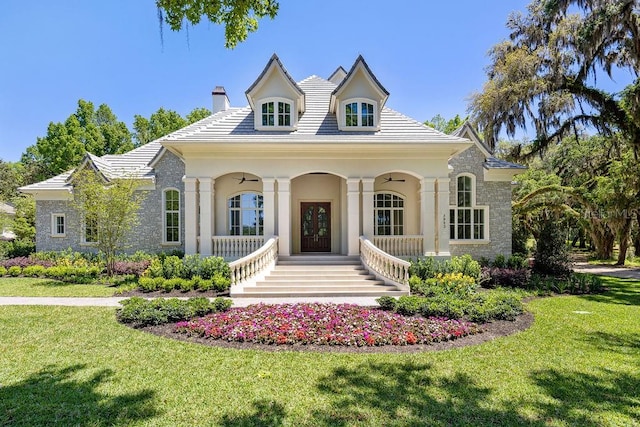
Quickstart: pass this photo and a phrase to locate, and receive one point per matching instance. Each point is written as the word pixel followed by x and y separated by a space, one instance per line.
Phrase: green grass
pixel 579 364
pixel 27 287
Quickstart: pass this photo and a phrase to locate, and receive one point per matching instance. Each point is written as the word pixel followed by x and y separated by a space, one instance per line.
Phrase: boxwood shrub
pixel 139 312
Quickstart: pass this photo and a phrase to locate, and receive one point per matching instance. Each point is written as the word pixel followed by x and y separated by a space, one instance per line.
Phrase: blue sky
pixel 430 55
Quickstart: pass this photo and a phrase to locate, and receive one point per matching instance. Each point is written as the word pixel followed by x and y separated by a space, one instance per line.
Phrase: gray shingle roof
pixel 133 164
pixel 317 124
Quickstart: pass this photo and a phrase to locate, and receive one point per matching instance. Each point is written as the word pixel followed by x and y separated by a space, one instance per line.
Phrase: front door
pixel 316 226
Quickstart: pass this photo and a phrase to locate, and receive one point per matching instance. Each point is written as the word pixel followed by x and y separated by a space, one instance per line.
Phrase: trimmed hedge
pixel 139 312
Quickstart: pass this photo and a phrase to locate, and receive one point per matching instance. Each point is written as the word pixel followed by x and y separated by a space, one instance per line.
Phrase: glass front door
pixel 315 226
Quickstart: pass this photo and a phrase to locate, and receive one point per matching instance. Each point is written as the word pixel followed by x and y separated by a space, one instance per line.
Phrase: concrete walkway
pixel 115 301
pixel 581 267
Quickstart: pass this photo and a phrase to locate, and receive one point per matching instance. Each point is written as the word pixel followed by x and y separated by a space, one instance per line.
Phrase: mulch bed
pixel 490 331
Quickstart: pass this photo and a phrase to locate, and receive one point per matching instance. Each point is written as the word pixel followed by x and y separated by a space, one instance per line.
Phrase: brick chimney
pixel 220 100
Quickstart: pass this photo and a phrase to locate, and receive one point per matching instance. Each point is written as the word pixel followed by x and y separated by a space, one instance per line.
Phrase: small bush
pixel 136 268
pixel 209 266
pixel 220 282
pixel 139 312
pixel 187 285
pixel 499 261
pixel 515 278
pixel 172 267
pixel 409 305
pixel 154 269
pixel 3 271
pixel 14 271
pixel 170 284
pixel 205 285
pixel 444 306
pixel 387 303
pixel 427 268
pixel 33 271
pixel 149 284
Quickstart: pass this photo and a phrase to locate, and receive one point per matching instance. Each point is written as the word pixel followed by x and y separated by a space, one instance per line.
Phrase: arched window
pixel 246 215
pixel 171 208
pixel 359 114
pixel 275 114
pixel 388 211
pixel 467 221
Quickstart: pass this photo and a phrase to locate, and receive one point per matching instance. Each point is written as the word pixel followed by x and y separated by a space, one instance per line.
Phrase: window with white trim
pixel 171 208
pixel 388 214
pixel 276 114
pixel 58 226
pixel 359 114
pixel 467 221
pixel 90 234
pixel 246 215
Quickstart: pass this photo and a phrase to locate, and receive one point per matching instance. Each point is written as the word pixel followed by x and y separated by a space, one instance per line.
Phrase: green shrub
pixel 551 255
pixel 517 261
pixel 221 283
pixel 139 312
pixel 499 261
pixel 444 306
pixel 205 285
pixel 3 271
pixel 149 284
pixel 387 303
pixel 427 268
pixel 155 269
pixel 34 271
pixel 409 305
pixel 170 284
pixel 187 285
pixel 502 305
pixel 172 267
pixel 209 266
pixel 464 265
pixel 14 271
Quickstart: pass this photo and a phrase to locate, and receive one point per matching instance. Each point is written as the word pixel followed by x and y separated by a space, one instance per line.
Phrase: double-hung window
pixel 90 229
pixel 58 226
pixel 467 221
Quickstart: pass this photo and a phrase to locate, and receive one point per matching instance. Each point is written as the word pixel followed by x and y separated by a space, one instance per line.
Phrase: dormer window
pixel 276 114
pixel 359 115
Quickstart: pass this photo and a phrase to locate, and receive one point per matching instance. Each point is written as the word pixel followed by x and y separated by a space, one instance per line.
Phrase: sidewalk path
pixel 115 301
pixel 581 267
pixel 607 270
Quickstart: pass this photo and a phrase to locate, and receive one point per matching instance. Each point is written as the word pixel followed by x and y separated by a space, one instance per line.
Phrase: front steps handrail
pixel 253 264
pixel 391 269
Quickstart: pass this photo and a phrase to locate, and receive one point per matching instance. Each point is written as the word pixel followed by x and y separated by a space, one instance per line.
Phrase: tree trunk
pixel 636 235
pixel 603 240
pixel 623 237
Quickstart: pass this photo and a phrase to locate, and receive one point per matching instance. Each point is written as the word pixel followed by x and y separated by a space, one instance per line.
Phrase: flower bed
pixel 323 324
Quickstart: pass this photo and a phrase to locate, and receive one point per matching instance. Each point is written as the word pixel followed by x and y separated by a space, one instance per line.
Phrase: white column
pixel 190 215
pixel 284 216
pixel 269 207
pixel 428 215
pixel 353 216
pixel 367 207
pixel 442 236
pixel 206 215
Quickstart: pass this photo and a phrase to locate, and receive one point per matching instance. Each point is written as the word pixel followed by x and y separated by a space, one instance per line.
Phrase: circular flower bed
pixel 323 324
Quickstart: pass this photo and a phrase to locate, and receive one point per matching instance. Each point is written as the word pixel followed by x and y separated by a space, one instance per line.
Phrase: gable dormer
pixel 275 98
pixel 338 76
pixel 358 100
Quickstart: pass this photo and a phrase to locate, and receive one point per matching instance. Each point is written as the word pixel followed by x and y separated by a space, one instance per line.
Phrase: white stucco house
pixel 322 165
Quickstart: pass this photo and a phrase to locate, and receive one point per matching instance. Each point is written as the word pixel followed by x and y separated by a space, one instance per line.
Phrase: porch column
pixel 268 207
pixel 428 215
pixel 442 200
pixel 367 207
pixel 190 215
pixel 284 216
pixel 206 215
pixel 353 216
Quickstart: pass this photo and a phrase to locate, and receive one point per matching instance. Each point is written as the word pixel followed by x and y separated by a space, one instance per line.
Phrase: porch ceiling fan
pixel 244 179
pixel 392 179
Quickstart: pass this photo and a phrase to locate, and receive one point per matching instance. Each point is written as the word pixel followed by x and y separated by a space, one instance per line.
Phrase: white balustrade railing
pixel 400 246
pixel 255 263
pixel 382 264
pixel 234 247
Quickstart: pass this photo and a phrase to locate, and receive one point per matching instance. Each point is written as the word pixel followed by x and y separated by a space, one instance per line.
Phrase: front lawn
pixel 577 365
pixel 28 287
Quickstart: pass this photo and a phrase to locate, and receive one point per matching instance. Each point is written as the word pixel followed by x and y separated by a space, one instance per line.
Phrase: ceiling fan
pixel 391 179
pixel 243 179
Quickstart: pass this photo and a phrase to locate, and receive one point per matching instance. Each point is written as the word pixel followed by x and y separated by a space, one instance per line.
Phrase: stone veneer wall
pixel 147 236
pixel 496 195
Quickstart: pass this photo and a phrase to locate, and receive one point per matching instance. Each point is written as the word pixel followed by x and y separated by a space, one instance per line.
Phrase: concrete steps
pixel 319 276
